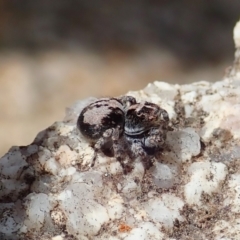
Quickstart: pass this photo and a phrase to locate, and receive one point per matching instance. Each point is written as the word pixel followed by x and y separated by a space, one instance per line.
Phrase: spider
pixel 121 126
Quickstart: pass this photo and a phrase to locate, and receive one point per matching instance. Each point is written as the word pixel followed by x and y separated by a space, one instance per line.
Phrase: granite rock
pixel 49 190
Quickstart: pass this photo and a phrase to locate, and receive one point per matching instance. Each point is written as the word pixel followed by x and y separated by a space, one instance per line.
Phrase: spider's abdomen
pixel 99 116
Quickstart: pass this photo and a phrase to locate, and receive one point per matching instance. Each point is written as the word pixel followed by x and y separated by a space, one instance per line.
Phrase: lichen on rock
pixel 49 190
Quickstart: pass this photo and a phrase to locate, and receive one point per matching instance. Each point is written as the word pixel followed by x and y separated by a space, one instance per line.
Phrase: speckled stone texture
pixel 49 191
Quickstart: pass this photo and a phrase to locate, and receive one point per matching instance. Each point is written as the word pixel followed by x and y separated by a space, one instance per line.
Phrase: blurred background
pixel 53 53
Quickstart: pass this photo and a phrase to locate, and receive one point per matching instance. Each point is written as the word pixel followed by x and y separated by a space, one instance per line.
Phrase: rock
pixel 49 190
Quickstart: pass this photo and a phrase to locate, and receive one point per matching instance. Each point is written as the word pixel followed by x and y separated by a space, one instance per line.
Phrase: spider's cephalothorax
pixel 145 129
pixel 141 117
pixel 102 123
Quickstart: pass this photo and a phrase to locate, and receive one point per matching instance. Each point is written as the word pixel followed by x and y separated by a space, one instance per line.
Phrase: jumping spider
pixel 121 126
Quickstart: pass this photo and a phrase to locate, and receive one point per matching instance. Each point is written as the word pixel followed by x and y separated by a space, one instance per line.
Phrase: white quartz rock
pixel 227 230
pixel 184 144
pixel 12 217
pixel 165 210
pixel 115 207
pixel 145 231
pixel 84 214
pixel 236 35
pixel 37 209
pixel 205 177
pixel 12 163
pixel 233 198
pixel 164 175
pixel 194 176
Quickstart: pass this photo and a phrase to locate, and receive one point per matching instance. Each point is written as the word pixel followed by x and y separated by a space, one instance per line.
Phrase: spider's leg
pixel 118 146
pixel 101 141
pixel 154 139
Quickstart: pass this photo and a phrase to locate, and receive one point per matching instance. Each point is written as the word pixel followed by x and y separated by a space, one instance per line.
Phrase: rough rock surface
pixel 48 190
